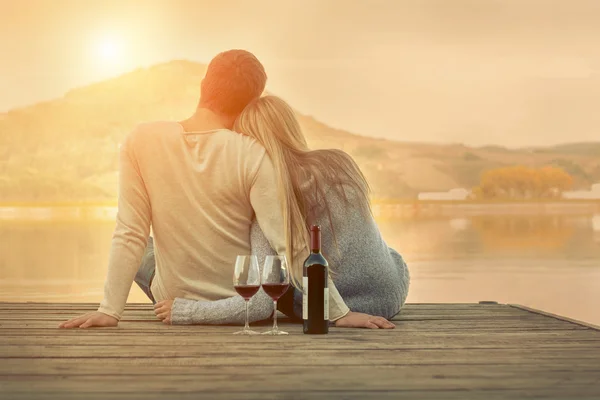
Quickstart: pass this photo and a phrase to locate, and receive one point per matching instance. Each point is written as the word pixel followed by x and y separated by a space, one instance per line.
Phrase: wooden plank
pixel 252 394
pixel 281 378
pixel 96 363
pixel 410 340
pixel 81 347
pixel 276 349
pixel 191 365
pixel 352 339
pixel 558 317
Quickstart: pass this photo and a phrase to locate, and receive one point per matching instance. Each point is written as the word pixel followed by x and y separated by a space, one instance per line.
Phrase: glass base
pixel 247 332
pixel 274 332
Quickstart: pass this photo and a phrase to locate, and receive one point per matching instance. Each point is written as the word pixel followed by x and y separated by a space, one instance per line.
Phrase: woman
pixel 323 187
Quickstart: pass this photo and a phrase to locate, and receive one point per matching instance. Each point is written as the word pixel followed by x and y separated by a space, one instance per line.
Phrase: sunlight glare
pixel 109 50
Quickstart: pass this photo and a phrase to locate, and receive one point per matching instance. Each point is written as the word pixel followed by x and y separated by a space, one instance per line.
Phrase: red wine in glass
pixel 246 281
pixel 275 290
pixel 275 282
pixel 247 291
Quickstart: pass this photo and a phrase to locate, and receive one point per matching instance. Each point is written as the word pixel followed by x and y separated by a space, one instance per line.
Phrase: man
pixel 198 185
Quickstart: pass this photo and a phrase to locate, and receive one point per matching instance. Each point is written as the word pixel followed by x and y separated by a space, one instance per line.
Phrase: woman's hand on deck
pixel 89 320
pixel 162 309
pixel 360 320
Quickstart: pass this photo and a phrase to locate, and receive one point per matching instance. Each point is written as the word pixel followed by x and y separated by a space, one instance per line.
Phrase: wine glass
pixel 246 281
pixel 275 282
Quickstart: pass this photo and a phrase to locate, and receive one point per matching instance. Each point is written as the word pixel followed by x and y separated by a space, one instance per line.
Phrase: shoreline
pixel 382 209
pixel 381 201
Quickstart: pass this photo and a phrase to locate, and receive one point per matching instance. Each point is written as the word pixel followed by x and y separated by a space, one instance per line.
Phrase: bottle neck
pixel 315 241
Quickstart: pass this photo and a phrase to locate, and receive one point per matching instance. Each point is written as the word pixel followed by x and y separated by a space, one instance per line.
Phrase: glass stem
pixel 247 326
pixel 275 316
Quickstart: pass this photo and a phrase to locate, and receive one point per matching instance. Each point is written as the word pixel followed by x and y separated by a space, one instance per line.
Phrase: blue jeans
pixel 145 273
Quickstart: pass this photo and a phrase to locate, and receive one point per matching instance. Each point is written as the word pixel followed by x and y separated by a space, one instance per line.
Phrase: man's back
pixel 199 191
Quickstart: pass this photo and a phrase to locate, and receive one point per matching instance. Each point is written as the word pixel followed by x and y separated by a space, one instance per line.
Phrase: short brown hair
pixel 233 79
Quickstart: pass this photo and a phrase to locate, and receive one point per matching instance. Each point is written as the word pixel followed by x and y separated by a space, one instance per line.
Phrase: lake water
pixel 546 262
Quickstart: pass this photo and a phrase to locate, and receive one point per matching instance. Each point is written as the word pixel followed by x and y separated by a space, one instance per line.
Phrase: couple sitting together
pixel 238 178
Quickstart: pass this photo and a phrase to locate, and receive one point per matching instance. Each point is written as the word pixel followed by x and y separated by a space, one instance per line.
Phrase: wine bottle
pixel 315 292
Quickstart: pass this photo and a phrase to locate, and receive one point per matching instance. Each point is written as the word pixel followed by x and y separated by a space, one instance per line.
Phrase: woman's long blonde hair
pixel 303 174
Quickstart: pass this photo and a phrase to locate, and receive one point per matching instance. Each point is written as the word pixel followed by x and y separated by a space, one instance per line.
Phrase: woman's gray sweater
pixel 371 277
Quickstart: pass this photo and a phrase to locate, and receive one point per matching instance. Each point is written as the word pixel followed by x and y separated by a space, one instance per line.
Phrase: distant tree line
pixel 519 182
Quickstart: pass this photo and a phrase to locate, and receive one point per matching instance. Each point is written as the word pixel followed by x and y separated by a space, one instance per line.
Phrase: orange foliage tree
pixel 519 182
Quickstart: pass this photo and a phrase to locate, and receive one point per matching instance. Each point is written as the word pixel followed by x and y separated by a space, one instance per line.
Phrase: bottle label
pixel 305 297
pixel 326 303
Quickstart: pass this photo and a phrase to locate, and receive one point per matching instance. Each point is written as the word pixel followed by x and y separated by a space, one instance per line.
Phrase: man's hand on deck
pixel 162 309
pixel 93 319
pixel 360 320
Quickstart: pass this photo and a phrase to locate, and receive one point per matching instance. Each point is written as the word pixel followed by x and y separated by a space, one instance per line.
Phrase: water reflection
pixel 548 262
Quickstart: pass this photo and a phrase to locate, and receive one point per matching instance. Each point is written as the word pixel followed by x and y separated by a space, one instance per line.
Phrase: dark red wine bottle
pixel 315 292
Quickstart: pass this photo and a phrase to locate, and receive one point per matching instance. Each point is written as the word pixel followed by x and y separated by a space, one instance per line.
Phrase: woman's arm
pixel 226 311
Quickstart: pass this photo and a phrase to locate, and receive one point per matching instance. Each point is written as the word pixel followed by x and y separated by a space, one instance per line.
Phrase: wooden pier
pixel 437 351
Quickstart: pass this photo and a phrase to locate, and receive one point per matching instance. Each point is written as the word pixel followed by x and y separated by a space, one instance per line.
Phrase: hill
pixel 66 149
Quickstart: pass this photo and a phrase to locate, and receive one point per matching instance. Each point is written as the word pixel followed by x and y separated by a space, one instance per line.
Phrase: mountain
pixel 66 149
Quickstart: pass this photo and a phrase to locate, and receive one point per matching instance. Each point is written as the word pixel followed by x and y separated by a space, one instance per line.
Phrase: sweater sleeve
pixel 130 235
pixel 231 310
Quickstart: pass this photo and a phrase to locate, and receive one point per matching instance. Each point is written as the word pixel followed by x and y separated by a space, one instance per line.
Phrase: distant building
pixel 592 194
pixel 596 223
pixel 453 194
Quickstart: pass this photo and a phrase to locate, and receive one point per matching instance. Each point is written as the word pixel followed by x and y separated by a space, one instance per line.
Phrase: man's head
pixel 233 79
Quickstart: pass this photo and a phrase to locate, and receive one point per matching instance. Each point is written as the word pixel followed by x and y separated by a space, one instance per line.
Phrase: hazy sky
pixel 511 72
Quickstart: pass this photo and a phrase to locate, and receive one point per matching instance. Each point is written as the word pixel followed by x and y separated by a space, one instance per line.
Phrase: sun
pixel 110 53
pixel 109 50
